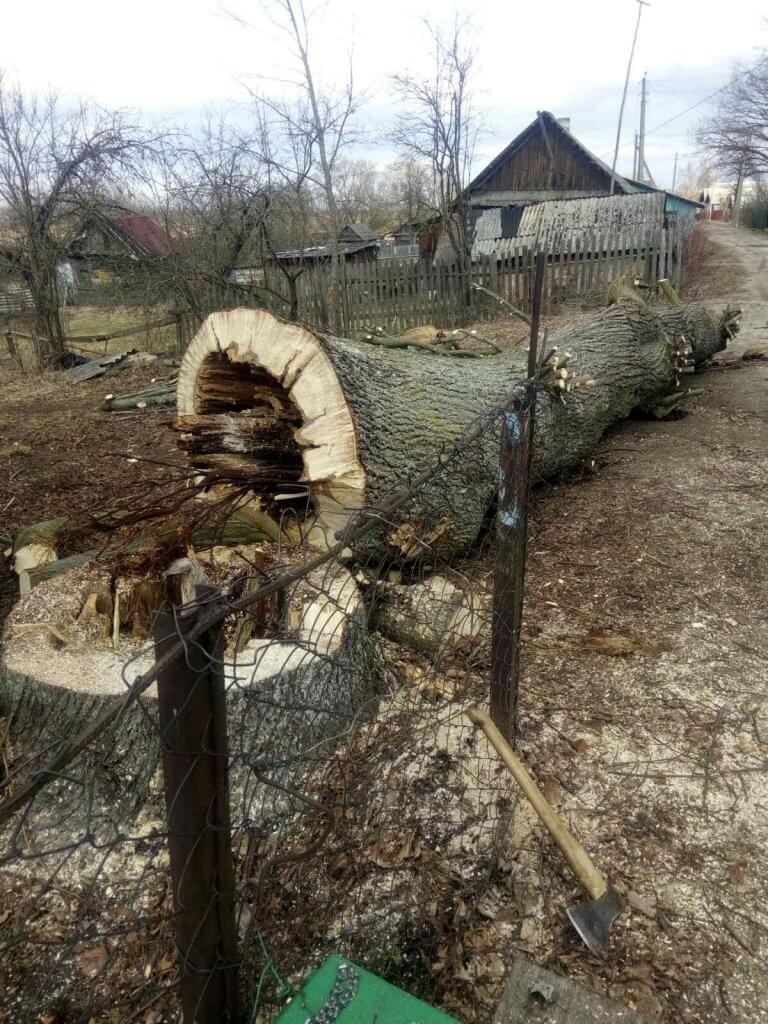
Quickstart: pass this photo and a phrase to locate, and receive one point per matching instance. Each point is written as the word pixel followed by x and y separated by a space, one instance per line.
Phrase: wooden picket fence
pixel 394 295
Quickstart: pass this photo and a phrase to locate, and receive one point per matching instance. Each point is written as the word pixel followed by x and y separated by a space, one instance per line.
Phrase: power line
pixel 699 102
pixel 687 110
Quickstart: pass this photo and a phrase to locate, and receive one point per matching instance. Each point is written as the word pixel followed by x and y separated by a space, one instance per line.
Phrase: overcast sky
pixel 175 58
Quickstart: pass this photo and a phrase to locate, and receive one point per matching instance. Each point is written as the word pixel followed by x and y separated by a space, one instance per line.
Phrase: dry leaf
pixel 392 854
pixel 645 906
pixel 607 642
pixel 488 907
pixel 462 974
pixel 551 789
pixel 640 972
pixel 92 960
pixel 491 966
pixel 640 997
pixel 581 747
pixel 436 690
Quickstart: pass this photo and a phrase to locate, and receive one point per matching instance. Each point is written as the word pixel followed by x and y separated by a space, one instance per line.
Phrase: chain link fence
pixel 203 802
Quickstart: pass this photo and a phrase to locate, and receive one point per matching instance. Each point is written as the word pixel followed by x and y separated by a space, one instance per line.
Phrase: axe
pixel 593 919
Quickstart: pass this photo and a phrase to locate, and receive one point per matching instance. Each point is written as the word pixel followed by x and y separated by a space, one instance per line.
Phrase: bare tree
pixel 361 196
pixel 55 162
pixel 439 126
pixel 314 121
pixel 735 137
pixel 696 179
pixel 211 191
pixel 409 191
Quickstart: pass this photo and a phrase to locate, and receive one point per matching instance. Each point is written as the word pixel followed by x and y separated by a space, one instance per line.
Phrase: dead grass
pixel 91 320
pixel 710 270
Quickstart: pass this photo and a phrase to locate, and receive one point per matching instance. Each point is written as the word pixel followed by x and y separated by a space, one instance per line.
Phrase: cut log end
pixel 259 404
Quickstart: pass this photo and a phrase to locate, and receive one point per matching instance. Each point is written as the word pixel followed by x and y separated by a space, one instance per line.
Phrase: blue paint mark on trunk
pixel 512 418
pixel 509 516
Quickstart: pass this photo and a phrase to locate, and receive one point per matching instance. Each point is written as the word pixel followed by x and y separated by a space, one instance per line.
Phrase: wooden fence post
pixel 512 535
pixel 193 732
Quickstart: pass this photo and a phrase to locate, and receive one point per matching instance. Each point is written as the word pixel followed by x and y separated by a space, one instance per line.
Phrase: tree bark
pixel 434 615
pixel 372 416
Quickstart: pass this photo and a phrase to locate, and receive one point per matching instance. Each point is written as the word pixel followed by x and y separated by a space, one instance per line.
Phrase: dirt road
pixel 662 755
pixel 750 249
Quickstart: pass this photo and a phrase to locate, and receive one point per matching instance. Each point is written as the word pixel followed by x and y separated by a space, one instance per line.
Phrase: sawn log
pixel 284 410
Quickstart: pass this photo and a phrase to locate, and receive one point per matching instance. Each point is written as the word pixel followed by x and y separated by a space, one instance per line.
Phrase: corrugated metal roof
pixel 317 252
pixel 146 233
pixel 553 224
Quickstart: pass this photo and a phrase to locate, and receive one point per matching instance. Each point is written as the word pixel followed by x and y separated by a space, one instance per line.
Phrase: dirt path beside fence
pixel 646 694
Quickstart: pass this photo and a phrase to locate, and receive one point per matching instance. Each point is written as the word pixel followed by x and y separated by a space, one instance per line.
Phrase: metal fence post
pixel 512 535
pixel 192 709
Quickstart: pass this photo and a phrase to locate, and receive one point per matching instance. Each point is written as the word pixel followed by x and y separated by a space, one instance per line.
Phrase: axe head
pixel 593 920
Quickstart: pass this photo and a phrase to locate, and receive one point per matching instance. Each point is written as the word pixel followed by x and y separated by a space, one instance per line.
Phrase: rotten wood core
pixel 243 429
pixel 260 406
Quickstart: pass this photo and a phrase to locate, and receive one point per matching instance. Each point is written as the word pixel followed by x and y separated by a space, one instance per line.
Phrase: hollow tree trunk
pixel 280 407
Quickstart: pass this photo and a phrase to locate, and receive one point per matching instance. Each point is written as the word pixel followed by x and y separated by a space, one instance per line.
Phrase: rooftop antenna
pixel 640 5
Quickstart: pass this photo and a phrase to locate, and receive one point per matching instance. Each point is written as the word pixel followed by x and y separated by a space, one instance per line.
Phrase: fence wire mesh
pixel 366 813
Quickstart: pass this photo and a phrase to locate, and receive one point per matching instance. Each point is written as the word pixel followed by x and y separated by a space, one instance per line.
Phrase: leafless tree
pixel 439 126
pixel 210 189
pixel 409 191
pixel 735 137
pixel 696 179
pixel 315 122
pixel 56 161
pixel 361 197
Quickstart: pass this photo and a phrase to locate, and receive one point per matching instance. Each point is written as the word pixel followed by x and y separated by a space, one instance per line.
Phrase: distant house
pixel 546 182
pixel 403 242
pixel 104 243
pixel 354 233
pixel 682 208
pixel 357 244
pixel 545 161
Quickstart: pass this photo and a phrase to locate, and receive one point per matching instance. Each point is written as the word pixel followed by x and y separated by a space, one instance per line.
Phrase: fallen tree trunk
pixel 369 416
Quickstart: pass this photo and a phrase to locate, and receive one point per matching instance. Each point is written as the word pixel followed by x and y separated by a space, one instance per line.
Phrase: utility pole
pixel 635 173
pixel 640 5
pixel 643 172
pixel 736 213
pixel 674 174
pixel 641 142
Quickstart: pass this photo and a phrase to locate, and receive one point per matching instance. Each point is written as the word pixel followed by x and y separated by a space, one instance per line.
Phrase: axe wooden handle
pixel 578 858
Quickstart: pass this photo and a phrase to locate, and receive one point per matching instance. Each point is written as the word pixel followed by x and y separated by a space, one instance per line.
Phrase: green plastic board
pixel 341 991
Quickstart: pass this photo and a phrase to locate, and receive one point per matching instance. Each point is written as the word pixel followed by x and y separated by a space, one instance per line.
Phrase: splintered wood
pixel 243 428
